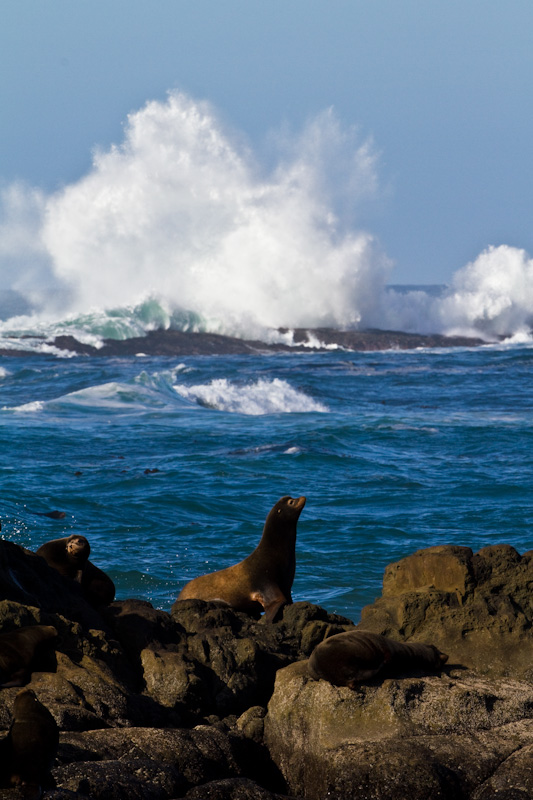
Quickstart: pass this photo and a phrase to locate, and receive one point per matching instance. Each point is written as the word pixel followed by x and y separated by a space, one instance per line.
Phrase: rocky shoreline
pixel 179 343
pixel 205 702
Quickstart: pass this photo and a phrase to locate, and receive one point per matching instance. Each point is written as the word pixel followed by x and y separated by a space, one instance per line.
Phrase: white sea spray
pixel 259 397
pixel 180 226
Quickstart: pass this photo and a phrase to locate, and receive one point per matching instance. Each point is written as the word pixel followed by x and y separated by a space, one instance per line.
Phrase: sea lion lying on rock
pixel 263 581
pixel 353 657
pixel 70 557
pixel 29 749
pixel 17 649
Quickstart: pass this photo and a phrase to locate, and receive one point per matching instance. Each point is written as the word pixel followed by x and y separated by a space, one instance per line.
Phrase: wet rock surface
pixel 180 343
pixel 206 702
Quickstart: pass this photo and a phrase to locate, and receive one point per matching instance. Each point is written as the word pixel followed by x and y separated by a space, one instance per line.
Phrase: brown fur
pixel 70 557
pixel 17 649
pixel 30 746
pixel 263 581
pixel 353 657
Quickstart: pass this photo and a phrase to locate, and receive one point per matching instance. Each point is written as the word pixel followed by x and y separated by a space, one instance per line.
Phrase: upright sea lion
pixel 30 745
pixel 353 657
pixel 70 557
pixel 263 581
pixel 17 649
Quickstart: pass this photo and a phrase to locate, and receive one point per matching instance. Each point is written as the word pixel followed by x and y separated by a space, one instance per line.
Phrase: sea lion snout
pixel 297 502
pixel 292 505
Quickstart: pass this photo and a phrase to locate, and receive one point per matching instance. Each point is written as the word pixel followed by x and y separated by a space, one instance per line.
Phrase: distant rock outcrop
pixel 180 343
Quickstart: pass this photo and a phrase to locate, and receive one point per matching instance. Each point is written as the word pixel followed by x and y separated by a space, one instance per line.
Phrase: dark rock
pixel 26 578
pixel 137 624
pixel 123 684
pixel 512 780
pixel 225 661
pixel 232 789
pixel 173 343
pixel 199 755
pixel 128 779
pixel 252 723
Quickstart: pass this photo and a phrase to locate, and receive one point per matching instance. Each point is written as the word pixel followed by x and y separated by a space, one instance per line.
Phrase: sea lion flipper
pixel 270 602
pixel 271 611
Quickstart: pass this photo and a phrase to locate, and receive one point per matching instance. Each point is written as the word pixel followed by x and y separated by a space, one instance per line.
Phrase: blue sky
pixel 443 88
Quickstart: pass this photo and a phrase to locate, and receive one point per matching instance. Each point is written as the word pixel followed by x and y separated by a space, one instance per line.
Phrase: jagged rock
pixel 439 737
pixel 512 780
pixel 232 789
pixel 122 684
pixel 137 624
pixel 478 608
pixel 128 779
pixel 26 578
pixel 198 756
pixel 224 661
pixel 252 723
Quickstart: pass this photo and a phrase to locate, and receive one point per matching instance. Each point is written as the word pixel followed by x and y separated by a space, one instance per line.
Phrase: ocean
pixel 170 466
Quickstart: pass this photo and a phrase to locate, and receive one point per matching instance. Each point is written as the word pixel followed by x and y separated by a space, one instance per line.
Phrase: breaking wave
pixel 261 397
pixel 180 226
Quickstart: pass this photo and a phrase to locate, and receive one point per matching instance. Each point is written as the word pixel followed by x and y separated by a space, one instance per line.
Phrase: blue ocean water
pixel 170 466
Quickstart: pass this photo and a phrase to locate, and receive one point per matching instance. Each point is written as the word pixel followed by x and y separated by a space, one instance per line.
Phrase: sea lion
pixel 70 557
pixel 17 649
pixel 30 746
pixel 263 581
pixel 52 514
pixel 353 657
pixel 98 588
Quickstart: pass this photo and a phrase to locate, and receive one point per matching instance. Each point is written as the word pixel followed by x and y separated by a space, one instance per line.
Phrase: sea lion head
pixel 287 509
pixel 25 701
pixel 78 548
pixel 440 657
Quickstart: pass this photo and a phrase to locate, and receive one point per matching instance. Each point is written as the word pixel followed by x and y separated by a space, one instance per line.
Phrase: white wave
pixel 491 297
pixel 521 338
pixel 178 226
pixel 37 346
pixel 180 214
pixel 4 373
pixel 261 397
pixel 142 392
pixel 32 407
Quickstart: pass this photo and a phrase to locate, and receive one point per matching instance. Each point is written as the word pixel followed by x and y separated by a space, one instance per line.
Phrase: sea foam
pixel 259 397
pixel 181 226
